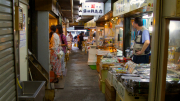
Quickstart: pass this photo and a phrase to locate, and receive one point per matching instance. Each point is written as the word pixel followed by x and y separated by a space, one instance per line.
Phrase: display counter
pixel 131 81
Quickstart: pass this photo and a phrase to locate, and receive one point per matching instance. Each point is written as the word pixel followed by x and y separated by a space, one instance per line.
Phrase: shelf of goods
pixel 133 85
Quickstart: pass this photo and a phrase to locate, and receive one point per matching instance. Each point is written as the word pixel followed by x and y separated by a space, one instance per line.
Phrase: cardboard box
pixel 110 92
pixel 109 86
pixel 118 98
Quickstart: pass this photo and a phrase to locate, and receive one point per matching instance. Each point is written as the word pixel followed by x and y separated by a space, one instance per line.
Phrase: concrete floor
pixel 81 83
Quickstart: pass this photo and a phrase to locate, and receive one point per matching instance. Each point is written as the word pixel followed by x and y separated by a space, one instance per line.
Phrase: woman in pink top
pixel 54 43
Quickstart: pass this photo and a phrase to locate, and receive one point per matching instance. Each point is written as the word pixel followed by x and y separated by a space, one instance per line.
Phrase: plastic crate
pixel 93 67
pixel 104 73
pixel 103 86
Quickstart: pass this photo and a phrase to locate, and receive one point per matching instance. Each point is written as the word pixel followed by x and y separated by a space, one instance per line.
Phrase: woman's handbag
pixel 60 54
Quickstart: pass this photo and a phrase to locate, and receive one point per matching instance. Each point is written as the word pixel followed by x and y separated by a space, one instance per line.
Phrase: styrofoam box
pixel 110 77
pixel 102 52
pixel 92 51
pixel 120 90
pixel 93 46
pixel 92 57
pixel 92 54
pixel 115 82
pixel 91 62
pixel 125 96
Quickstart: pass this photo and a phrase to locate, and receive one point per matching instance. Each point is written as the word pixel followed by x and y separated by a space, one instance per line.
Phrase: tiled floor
pixel 81 83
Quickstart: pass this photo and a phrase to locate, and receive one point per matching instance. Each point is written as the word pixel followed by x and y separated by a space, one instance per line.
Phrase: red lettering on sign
pixel 92 5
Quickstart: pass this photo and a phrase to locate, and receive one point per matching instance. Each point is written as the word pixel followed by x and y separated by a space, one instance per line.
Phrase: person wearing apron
pixel 142 42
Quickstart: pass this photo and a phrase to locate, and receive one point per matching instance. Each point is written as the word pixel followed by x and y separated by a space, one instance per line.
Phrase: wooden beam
pixel 71 1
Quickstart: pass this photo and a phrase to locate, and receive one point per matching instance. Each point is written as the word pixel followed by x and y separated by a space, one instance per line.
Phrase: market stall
pixel 129 80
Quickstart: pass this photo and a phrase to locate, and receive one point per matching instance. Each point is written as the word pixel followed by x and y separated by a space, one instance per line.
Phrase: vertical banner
pixel 23 33
pixel 60 20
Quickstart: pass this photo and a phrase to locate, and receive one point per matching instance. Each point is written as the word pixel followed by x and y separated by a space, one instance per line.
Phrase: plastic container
pixel 122 59
pixel 103 86
pixel 104 73
pixel 93 67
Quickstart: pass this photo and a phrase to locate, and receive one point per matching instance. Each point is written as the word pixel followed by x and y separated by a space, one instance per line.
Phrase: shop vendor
pixel 142 42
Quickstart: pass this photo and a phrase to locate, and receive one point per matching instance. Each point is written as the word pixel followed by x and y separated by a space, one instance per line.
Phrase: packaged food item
pixel 173 75
pixel 130 66
pixel 109 60
pixel 138 91
pixel 143 71
pixel 138 84
pixel 128 75
pixel 145 76
pixel 172 85
pixel 127 78
pixel 119 70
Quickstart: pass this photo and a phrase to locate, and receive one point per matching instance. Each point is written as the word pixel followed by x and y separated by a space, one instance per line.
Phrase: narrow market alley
pixel 81 83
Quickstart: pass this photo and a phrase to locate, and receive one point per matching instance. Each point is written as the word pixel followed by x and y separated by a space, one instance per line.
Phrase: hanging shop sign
pixel 135 4
pixel 124 6
pixel 92 8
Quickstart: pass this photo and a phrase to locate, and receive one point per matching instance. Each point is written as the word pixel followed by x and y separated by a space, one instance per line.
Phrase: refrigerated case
pixel 119 37
pixel 172 38
pixel 99 36
pixel 165 81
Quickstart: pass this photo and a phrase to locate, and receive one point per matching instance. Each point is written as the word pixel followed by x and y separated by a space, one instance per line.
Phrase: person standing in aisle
pixel 63 44
pixel 81 39
pixel 142 42
pixel 71 37
pixel 54 49
pixel 78 39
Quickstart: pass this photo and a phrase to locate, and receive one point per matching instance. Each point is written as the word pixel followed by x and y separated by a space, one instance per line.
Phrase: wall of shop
pixel 43 37
pixel 23 45
pixel 32 36
pixel 127 34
